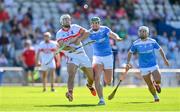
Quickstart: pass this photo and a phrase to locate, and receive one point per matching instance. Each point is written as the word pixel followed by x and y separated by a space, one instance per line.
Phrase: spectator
pixel 121 12
pixel 18 45
pixel 65 6
pixel 174 38
pixel 29 14
pixel 26 21
pixel 28 60
pixel 4 15
pixel 133 29
pixel 45 27
pixel 4 42
pixel 3 60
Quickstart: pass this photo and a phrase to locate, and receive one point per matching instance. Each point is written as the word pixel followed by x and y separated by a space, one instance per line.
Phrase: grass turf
pixel 126 99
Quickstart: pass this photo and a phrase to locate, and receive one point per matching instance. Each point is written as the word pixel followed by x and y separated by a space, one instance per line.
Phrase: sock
pixel 156 96
pixel 70 91
pixel 101 99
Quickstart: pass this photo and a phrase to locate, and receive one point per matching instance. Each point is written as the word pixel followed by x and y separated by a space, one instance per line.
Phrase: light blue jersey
pixel 145 51
pixel 102 45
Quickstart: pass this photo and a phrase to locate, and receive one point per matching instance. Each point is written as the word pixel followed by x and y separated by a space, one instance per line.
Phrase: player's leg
pixel 108 73
pixel 108 69
pixel 98 68
pixel 88 71
pixel 90 79
pixel 157 80
pixel 58 75
pixel 71 68
pixel 44 79
pixel 32 74
pixel 150 85
pixel 26 77
pixel 52 75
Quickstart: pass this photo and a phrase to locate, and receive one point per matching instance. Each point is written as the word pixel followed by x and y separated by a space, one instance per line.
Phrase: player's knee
pixel 108 82
pixel 158 81
pixel 71 72
pixel 151 86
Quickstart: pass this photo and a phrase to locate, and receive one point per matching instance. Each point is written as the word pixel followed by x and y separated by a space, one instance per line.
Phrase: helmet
pixel 63 17
pixel 95 19
pixel 47 34
pixel 143 28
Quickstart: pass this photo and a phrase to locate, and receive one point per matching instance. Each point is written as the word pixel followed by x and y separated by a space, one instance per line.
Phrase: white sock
pixel 101 99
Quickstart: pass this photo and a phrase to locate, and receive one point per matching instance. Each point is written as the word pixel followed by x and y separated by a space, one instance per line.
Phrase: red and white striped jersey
pixel 47 51
pixel 68 36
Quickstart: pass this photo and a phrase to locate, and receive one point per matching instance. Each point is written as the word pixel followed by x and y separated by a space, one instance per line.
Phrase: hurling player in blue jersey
pixel 145 48
pixel 102 54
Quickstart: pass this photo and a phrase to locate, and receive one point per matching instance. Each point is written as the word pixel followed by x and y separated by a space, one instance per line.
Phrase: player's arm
pixel 163 56
pixel 128 65
pixel 37 58
pixel 63 43
pixel 132 50
pixel 57 59
pixel 114 36
pixel 84 34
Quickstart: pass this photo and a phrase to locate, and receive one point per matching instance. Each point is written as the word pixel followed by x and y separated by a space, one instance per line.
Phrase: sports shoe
pixel 157 86
pixel 93 91
pixel 44 90
pixel 53 90
pixel 156 100
pixel 101 103
pixel 69 96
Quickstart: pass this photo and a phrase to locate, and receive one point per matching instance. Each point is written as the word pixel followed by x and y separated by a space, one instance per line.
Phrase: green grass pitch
pixel 126 99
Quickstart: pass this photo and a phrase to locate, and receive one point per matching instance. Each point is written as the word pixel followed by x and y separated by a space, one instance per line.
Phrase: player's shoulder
pixel 75 26
pixel 53 42
pixel 41 43
pixel 151 40
pixel 59 31
pixel 90 30
pixel 24 50
pixel 104 27
pixel 32 48
pixel 136 41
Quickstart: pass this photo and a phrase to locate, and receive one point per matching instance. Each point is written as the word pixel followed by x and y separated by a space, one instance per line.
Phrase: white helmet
pixel 63 17
pixel 47 34
pixel 143 28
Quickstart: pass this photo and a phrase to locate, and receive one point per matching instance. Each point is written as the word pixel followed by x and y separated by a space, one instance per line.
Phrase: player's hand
pixel 72 49
pixel 128 66
pixel 57 65
pixel 166 62
pixel 119 39
pixel 38 64
pixel 77 42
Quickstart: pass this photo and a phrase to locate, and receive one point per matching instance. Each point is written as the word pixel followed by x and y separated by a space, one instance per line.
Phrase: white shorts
pixel 51 65
pixel 146 71
pixel 106 61
pixel 80 60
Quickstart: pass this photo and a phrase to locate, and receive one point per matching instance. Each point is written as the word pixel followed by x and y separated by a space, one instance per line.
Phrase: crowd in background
pixel 21 20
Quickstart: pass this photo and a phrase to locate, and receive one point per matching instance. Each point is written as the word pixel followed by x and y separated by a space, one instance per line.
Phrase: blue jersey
pixel 145 51
pixel 102 45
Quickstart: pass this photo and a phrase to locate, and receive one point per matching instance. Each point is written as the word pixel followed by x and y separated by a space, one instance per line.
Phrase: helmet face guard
pixel 143 32
pixel 95 20
pixel 95 23
pixel 65 20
